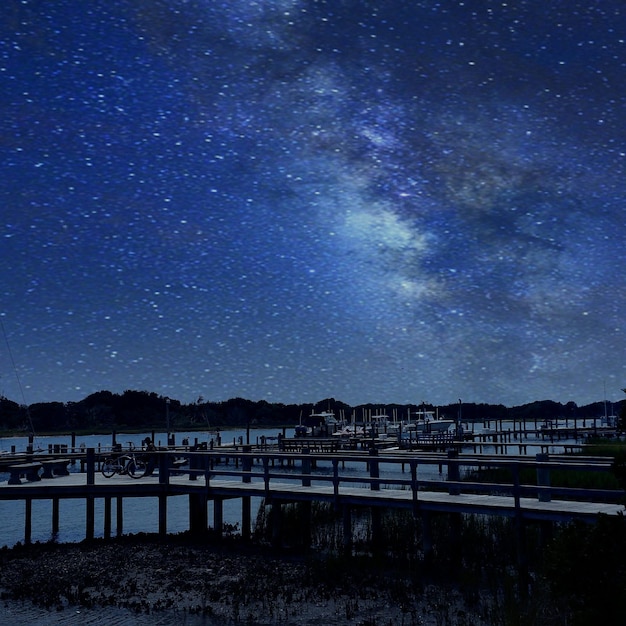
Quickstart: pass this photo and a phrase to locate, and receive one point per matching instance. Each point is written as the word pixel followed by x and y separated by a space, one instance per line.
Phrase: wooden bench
pixel 29 470
pixel 55 467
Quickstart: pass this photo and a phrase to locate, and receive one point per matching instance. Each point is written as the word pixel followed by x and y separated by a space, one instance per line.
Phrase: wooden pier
pixel 387 480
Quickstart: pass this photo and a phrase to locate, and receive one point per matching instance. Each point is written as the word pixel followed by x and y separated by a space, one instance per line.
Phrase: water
pixel 141 514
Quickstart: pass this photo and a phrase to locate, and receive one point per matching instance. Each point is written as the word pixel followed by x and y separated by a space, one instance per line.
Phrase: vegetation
pixel 585 569
pixel 576 574
pixel 573 479
pixel 143 410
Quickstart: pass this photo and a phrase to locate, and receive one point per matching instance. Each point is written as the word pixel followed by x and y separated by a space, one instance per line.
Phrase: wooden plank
pixel 75 486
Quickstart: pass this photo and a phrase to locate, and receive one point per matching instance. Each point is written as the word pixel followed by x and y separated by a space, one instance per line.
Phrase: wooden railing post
pixel 306 468
pixel 164 470
pixel 336 480
pixel 194 466
pixel 89 500
pixel 246 463
pixel 266 475
pixel 91 466
pixel 413 464
pixel 516 488
pixel 454 474
pixel 522 559
pixel 543 477
pixel 28 520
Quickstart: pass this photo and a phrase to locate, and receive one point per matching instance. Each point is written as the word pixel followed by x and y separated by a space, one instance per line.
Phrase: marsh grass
pixel 478 543
pixel 609 479
pixel 577 572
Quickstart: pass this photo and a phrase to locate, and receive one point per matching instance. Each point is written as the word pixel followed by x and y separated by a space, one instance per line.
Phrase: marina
pixel 204 490
pixel 139 507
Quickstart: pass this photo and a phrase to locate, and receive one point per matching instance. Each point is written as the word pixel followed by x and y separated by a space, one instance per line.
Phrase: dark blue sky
pixel 384 201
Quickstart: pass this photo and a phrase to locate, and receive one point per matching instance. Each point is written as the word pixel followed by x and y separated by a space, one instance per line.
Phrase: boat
pixel 349 430
pixel 320 424
pixel 428 422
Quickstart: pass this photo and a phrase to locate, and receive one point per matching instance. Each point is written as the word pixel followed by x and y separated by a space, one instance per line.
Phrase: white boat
pixel 319 425
pixel 326 418
pixel 350 430
pixel 428 422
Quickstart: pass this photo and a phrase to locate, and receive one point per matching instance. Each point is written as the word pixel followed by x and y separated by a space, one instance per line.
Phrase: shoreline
pixel 142 580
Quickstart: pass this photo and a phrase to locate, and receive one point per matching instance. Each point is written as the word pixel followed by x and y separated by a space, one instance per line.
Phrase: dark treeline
pixel 146 410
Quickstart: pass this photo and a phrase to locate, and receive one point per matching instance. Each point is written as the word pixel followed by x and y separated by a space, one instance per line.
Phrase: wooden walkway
pixel 423 483
pixel 322 477
pixel 529 508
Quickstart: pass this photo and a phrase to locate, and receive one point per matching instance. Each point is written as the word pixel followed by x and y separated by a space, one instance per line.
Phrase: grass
pixel 615 478
pixel 577 572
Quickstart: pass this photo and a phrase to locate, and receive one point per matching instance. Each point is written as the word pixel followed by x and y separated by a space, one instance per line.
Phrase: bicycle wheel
pixel 109 467
pixel 137 468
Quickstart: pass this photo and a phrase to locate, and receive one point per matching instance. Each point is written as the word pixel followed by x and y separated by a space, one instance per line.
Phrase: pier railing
pixel 455 473
pixel 449 482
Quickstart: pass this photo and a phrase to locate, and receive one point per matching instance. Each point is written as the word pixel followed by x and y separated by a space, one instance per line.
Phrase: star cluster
pixel 385 201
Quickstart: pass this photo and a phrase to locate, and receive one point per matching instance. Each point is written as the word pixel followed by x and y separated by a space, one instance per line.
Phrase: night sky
pixel 377 201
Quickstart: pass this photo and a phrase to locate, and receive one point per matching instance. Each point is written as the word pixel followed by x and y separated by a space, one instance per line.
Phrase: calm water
pixel 141 514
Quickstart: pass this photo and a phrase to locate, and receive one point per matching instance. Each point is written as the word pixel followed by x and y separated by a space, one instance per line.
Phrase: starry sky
pixel 377 201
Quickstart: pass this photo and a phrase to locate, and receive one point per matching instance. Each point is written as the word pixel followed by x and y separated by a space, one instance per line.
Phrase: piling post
pixel 89 500
pixel 120 517
pixel 266 475
pixel 163 515
pixel 28 520
pixel 218 516
pixel 164 479
pixel 306 508
pixel 246 513
pixel 198 516
pixel 520 533
pixel 107 517
pixel 90 519
pixel 55 516
pixel 336 482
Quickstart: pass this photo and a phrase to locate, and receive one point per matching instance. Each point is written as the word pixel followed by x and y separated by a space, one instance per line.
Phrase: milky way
pixel 290 200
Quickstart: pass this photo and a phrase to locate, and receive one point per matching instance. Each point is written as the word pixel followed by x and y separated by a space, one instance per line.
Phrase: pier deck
pixel 291 490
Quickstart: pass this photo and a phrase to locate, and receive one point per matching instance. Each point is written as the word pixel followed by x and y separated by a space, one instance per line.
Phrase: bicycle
pixel 129 463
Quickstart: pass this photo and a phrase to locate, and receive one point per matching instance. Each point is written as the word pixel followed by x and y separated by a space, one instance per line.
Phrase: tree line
pixel 105 410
